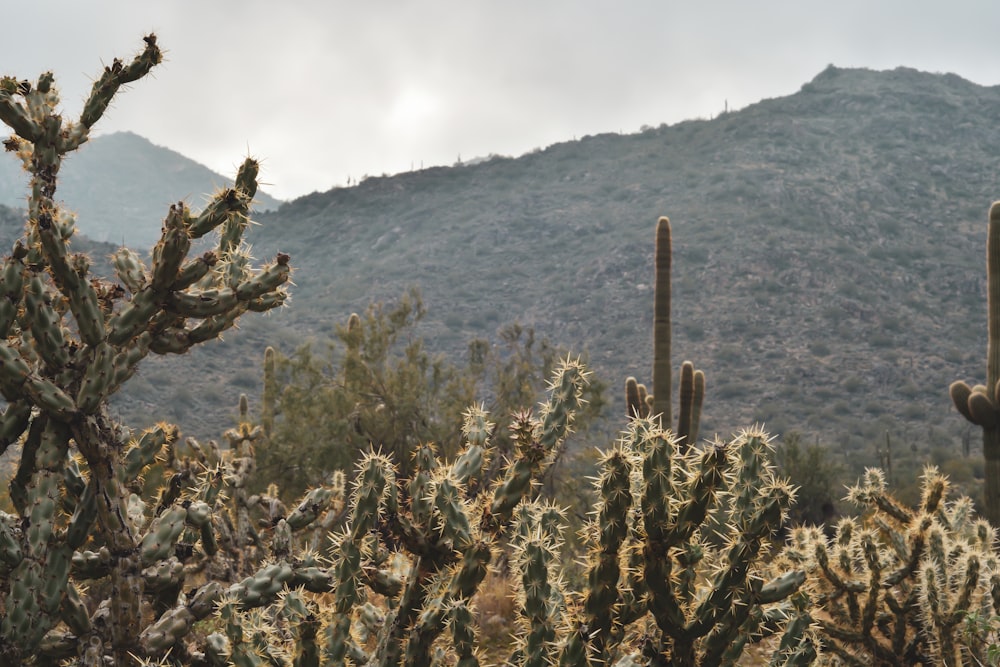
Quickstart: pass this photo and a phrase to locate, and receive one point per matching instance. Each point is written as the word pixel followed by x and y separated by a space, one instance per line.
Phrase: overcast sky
pixel 323 90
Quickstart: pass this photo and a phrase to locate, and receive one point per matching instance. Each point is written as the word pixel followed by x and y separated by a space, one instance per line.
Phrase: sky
pixel 323 91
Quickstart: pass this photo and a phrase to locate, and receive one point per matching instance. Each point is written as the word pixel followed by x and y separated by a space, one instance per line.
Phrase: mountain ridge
pixel 120 185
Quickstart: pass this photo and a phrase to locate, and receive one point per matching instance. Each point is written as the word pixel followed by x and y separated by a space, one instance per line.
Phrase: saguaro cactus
pixel 692 382
pixel 68 341
pixel 980 404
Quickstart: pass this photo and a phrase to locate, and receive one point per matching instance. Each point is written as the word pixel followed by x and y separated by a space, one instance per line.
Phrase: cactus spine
pixel 981 404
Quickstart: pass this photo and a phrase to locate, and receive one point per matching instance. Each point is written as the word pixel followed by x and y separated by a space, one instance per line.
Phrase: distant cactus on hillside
pixel 692 382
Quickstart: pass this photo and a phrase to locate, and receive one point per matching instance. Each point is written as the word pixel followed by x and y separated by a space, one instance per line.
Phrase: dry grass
pixel 496 616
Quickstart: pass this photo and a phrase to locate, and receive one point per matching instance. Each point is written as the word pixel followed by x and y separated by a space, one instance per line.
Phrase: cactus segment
pixel 169 252
pixel 130 269
pixel 11 282
pixel 661 324
pixel 163 533
pixel 309 508
pixel 477 430
pixel 86 309
pixel 13 422
pixel 115 76
pixel 451 511
pixel 74 614
pixel 97 378
pixel 262 587
pixel 195 270
pixel 45 325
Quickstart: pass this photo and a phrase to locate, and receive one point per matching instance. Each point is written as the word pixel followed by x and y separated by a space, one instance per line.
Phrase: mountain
pixel 121 185
pixel 828 261
pixel 828 269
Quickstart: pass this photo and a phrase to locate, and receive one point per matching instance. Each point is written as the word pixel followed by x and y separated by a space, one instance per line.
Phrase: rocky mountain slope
pixel 828 273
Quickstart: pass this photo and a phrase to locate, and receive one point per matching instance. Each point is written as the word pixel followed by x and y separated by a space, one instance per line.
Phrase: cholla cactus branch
pixel 69 341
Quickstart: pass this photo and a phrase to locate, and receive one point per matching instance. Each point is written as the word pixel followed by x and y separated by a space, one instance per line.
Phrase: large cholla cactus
pixel 451 530
pixel 901 586
pixel 68 341
pixel 678 558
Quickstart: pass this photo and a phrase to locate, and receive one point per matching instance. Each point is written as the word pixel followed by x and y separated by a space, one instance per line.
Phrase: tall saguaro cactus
pixel 662 333
pixel 68 341
pixel 692 382
pixel 981 404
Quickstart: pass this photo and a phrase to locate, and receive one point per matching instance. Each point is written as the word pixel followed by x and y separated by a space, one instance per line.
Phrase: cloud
pixel 323 90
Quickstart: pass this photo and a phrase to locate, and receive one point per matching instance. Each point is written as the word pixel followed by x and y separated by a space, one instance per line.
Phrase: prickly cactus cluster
pixel 900 586
pixel 449 524
pixel 68 341
pixel 680 543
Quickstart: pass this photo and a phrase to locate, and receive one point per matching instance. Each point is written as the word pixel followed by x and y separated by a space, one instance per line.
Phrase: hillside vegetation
pixel 829 246
pixel 828 270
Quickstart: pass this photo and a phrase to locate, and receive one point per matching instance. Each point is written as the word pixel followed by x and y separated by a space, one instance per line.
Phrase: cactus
pixel 981 404
pixel 655 563
pixel 69 342
pixel 639 403
pixel 540 588
pixel 450 533
pixel 894 587
pixel 291 607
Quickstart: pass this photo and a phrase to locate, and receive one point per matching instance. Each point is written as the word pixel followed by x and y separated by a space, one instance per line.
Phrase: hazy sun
pixel 411 108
